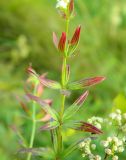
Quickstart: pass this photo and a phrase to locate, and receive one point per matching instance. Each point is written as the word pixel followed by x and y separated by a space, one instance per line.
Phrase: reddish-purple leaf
pixel 47 127
pixel 62 42
pixel 81 99
pixel 31 71
pixel 85 83
pixel 23 105
pixel 75 39
pixel 44 106
pixel 71 6
pixel 87 127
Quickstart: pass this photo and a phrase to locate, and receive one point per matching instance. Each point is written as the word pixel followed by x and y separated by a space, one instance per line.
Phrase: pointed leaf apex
pixel 55 40
pixel 62 42
pixel 75 39
pixel 71 6
pixel 82 98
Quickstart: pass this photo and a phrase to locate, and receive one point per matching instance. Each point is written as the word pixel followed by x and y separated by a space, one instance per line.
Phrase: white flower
pixel 97 157
pixel 93 146
pixel 109 139
pixel 124 115
pixel 115 157
pixel 115 139
pixel 81 145
pixel 115 148
pixel 96 121
pixel 120 142
pixel 120 149
pixel 112 115
pixel 105 143
pixel 62 4
pixel 108 151
pixel 98 125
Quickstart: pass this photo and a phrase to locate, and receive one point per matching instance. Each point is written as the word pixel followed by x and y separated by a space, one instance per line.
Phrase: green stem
pixel 63 98
pixel 33 126
pixel 67 27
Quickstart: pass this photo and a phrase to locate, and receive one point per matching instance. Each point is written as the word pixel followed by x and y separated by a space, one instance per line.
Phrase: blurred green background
pixel 26 28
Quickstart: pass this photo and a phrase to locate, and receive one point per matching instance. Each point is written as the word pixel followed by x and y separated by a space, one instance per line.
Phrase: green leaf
pixel 69 112
pixel 44 106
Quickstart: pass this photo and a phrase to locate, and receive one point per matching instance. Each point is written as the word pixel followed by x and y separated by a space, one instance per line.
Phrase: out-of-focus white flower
pixel 109 139
pixel 112 115
pixel 108 151
pixel 87 147
pixel 114 145
pixel 115 157
pixel 97 157
pixel 93 146
pixel 62 4
pixel 96 121
pixel 120 149
pixel 118 111
pixel 105 143
pixel 115 139
pixel 81 145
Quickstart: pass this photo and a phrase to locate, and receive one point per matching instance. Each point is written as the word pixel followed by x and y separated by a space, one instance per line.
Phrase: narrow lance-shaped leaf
pixel 44 106
pixel 49 126
pixel 76 36
pixel 71 7
pixel 85 83
pixel 50 83
pixel 62 42
pixel 86 127
pixel 67 73
pixel 31 71
pixel 23 105
pixel 73 43
pixel 75 106
pixel 46 153
pixel 55 40
pixel 54 139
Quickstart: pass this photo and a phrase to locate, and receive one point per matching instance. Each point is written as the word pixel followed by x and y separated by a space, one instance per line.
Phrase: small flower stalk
pixel 56 121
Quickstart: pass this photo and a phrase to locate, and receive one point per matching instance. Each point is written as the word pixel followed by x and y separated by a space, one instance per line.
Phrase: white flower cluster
pixel 96 121
pixel 62 4
pixel 86 146
pixel 120 119
pixel 113 145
